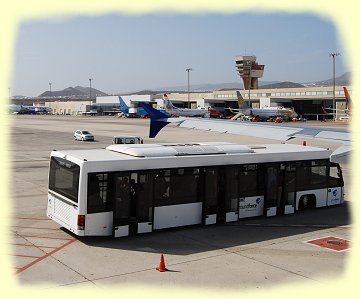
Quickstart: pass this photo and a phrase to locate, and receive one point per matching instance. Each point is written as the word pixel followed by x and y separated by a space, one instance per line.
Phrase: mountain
pixel 281 85
pixel 344 79
pixel 339 81
pixel 77 91
pixel 86 90
pixel 201 87
pixel 209 86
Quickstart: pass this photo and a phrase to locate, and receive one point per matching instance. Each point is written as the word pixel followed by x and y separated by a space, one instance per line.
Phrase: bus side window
pixel 162 186
pixel 303 176
pixel 94 199
pixel 98 193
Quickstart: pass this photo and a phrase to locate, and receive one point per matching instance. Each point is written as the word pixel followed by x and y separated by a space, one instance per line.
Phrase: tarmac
pixel 252 254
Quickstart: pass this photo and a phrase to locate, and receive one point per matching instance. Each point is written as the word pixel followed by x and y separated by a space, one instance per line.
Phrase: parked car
pixel 83 135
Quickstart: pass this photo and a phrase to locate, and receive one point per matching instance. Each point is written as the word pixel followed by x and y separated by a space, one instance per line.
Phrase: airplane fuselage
pixel 268 112
pixel 22 109
pixel 187 112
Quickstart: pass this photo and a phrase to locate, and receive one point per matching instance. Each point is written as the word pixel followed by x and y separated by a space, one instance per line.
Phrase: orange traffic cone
pixel 162 267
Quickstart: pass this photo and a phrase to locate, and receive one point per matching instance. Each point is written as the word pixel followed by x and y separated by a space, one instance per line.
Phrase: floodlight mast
pixel 333 55
pixel 188 71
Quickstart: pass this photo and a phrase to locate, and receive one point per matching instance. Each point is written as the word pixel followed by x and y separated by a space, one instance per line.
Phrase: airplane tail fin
pixel 241 102
pixel 122 103
pixel 348 98
pixel 167 103
pixel 158 119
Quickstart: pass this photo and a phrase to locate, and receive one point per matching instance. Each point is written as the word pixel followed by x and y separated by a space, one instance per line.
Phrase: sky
pixel 124 53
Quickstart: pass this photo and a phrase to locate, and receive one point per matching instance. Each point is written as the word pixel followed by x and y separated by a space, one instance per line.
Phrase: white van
pixel 127 140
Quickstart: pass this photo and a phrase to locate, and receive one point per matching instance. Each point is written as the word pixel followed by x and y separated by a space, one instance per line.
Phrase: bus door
pixel 121 215
pixel 231 193
pixel 271 189
pixel 280 189
pixel 132 204
pixel 211 195
pixel 251 191
pixel 143 197
pixel 288 188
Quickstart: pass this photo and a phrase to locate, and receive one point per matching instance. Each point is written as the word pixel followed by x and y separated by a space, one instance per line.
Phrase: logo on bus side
pixel 335 192
pixel 249 205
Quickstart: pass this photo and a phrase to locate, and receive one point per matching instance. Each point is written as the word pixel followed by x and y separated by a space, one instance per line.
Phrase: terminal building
pixel 307 101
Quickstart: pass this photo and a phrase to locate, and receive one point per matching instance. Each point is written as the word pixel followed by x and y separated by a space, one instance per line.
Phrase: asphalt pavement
pixel 245 256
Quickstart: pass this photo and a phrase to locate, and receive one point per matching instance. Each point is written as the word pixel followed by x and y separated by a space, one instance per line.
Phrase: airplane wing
pixel 276 132
pixel 281 132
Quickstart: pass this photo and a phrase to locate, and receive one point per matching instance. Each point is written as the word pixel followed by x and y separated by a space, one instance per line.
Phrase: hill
pixel 344 79
pixel 74 92
pixel 281 85
pixel 82 92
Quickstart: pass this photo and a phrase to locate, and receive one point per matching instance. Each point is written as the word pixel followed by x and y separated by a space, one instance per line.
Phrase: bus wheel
pixel 304 202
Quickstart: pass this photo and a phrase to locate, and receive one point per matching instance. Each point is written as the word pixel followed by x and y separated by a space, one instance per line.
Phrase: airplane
pixel 126 110
pixel 23 109
pixel 341 112
pixel 175 111
pixel 283 132
pixel 17 109
pixel 262 113
pixel 38 109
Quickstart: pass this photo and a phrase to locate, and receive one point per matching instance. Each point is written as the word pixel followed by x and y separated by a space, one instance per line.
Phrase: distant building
pixel 68 107
pixel 249 70
pixel 308 102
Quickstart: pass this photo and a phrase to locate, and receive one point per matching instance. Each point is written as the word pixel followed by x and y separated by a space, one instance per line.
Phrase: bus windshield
pixel 64 178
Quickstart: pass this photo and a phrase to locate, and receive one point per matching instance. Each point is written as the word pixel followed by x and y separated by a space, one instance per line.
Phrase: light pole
pixel 333 55
pixel 50 88
pixel 90 87
pixel 249 78
pixel 188 71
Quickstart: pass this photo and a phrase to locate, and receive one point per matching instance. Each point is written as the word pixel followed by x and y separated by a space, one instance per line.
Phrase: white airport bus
pixel 132 189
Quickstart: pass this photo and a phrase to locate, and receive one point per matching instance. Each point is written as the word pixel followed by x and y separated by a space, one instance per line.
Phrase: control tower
pixel 249 70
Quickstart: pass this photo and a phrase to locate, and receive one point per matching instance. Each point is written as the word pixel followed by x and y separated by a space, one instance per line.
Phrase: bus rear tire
pixel 307 202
